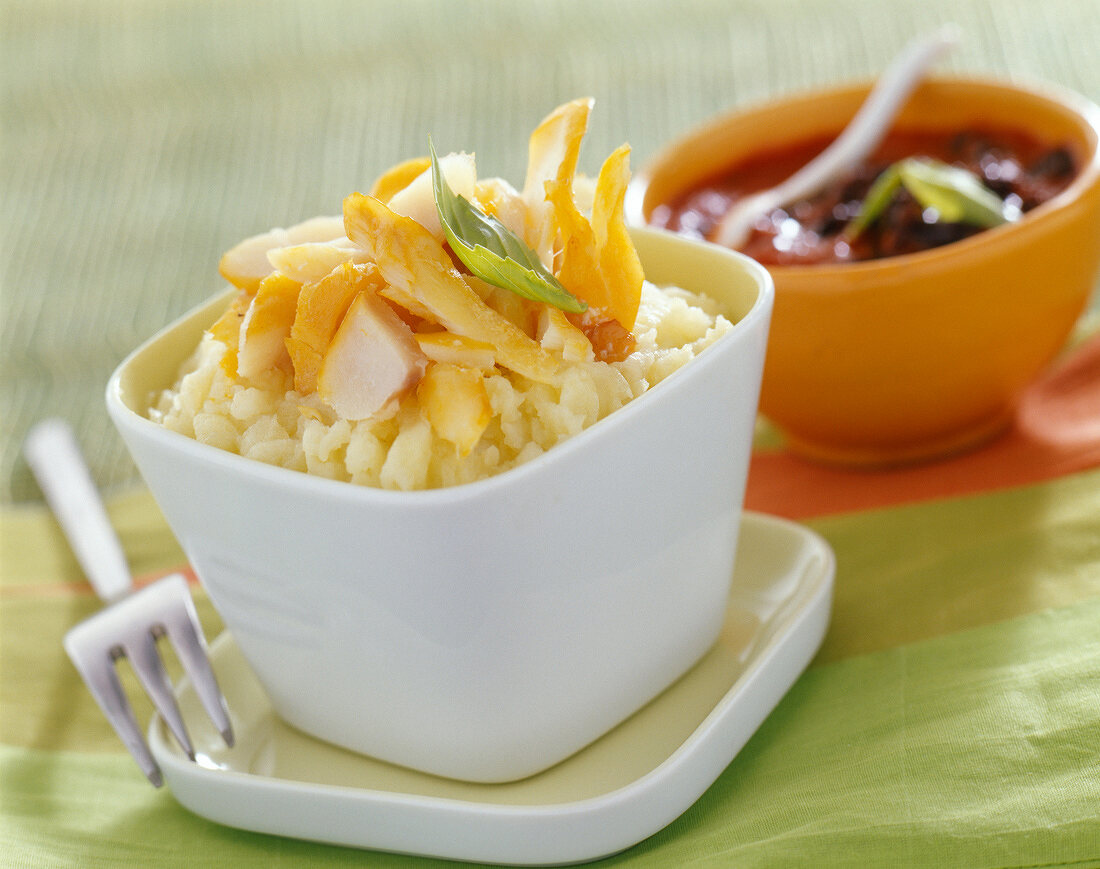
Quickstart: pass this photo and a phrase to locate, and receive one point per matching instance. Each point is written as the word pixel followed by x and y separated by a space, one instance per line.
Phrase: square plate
pixel 625 786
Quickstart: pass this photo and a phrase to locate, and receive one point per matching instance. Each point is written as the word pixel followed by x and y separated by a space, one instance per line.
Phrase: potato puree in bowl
pixel 369 349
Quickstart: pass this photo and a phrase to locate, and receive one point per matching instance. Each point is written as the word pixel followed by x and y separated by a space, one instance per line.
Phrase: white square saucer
pixel 620 789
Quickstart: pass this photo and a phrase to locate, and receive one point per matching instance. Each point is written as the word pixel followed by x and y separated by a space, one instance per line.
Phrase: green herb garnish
pixel 958 196
pixel 492 251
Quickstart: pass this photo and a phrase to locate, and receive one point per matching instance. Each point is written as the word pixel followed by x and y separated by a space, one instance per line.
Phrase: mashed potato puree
pixel 443 328
pixel 266 420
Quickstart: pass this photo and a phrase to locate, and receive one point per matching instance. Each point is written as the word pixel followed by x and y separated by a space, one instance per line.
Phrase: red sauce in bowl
pixel 1021 170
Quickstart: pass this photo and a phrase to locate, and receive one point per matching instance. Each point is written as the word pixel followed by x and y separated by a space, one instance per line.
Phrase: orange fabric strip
pixel 1056 432
pixel 83 588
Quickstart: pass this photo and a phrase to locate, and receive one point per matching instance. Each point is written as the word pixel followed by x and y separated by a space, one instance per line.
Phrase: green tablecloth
pixel 952 717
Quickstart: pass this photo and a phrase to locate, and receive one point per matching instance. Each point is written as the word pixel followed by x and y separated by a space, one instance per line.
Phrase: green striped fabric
pixel 142 138
pixel 952 717
pixel 957 734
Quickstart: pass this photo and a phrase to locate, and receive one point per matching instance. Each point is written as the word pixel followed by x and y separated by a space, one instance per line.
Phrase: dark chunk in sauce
pixel 1019 169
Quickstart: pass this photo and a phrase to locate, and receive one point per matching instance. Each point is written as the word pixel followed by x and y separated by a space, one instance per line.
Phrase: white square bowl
pixel 486 631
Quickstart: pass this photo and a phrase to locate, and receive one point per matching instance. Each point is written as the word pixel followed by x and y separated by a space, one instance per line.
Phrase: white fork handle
pixel 54 456
pixel 857 140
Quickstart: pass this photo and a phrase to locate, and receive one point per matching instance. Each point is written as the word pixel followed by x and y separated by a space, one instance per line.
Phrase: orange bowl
pixel 915 356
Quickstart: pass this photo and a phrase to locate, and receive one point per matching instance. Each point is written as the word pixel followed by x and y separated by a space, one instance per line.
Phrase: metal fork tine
pixel 146 662
pixel 131 625
pixel 190 647
pixel 99 675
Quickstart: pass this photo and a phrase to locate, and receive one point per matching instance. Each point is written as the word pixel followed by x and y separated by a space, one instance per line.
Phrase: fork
pixel 135 620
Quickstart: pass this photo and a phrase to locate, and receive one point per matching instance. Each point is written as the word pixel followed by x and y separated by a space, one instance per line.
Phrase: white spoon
pixel 858 139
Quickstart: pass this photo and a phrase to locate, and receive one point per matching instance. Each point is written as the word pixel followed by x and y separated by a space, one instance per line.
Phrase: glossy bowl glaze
pixel 485 631
pixel 922 355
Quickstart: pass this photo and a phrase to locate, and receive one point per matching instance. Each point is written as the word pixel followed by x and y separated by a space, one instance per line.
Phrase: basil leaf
pixel 875 202
pixel 492 251
pixel 957 195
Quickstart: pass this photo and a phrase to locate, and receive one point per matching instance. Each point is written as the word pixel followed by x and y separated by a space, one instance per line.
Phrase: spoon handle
pixel 862 135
